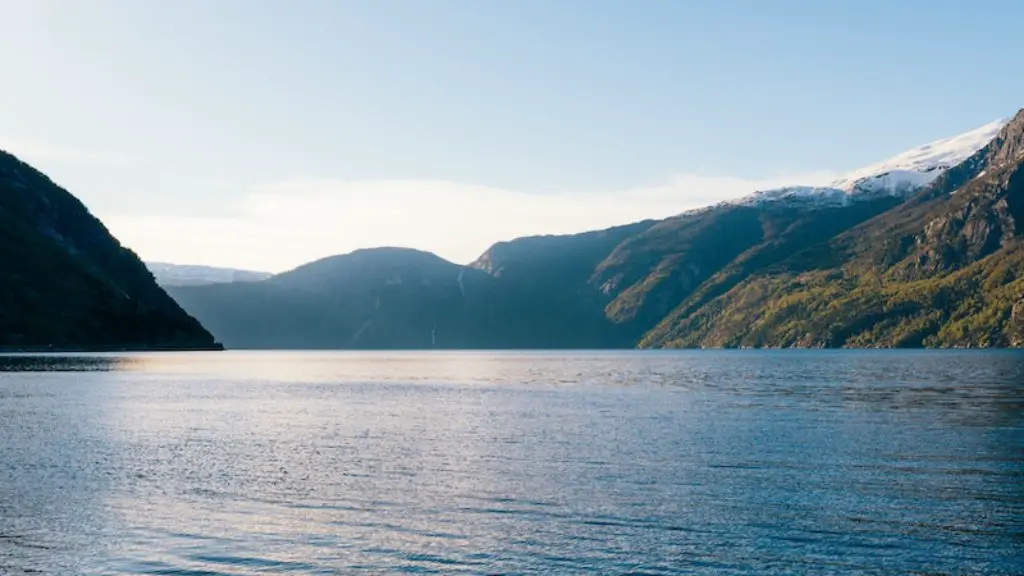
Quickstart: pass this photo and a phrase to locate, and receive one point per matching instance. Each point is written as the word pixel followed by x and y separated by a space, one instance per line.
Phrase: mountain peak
pixel 899 175
pixel 383 263
pixel 1008 144
pixel 919 166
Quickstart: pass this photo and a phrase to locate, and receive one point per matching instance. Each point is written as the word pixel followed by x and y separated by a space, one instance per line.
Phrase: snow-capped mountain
pixel 899 175
pixel 189 275
pixel 919 166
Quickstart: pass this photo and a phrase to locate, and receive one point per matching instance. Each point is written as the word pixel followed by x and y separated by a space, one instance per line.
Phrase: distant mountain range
pixel 923 249
pixel 66 283
pixel 192 275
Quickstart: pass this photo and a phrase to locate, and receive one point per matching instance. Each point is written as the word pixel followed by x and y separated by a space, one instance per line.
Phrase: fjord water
pixel 613 463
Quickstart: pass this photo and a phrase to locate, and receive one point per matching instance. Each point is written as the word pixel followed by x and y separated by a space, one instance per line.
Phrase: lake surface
pixel 513 463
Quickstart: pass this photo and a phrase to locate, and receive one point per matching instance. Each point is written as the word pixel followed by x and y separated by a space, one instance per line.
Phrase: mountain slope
pixel 555 274
pixel 651 273
pixel 945 268
pixel 385 298
pixel 65 282
pixel 389 298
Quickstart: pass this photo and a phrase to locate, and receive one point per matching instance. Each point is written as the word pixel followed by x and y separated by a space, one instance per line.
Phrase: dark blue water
pixel 479 463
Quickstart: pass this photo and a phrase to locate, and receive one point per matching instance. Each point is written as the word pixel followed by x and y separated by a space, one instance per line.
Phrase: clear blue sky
pixel 211 111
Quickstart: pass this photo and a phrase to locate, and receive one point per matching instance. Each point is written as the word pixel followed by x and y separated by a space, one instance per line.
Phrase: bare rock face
pixel 1017 324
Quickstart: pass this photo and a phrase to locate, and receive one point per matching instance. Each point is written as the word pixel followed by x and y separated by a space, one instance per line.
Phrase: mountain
pixel 945 268
pixel 190 275
pixel 919 249
pixel 919 167
pixel 693 258
pixel 381 298
pixel 898 176
pixel 680 264
pixel 388 298
pixel 66 283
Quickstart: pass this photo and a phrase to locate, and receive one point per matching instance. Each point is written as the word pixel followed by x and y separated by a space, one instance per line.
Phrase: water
pixel 611 463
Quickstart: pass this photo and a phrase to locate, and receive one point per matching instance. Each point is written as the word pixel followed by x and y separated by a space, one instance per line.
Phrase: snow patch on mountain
pixel 191 275
pixel 900 175
pixel 920 166
pixel 817 194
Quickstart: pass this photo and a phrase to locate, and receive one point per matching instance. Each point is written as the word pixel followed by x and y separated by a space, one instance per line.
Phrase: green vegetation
pixel 973 307
pixel 941 270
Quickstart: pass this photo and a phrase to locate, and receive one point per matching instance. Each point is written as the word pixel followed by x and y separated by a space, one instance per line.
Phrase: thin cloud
pixel 35 152
pixel 40 150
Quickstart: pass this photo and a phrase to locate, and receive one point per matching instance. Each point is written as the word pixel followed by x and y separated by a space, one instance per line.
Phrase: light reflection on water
pixel 658 463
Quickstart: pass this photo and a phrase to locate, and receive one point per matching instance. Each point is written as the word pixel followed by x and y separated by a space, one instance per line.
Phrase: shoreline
pixel 101 349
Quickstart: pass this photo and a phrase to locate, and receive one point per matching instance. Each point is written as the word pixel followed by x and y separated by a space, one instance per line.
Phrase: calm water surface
pixel 617 463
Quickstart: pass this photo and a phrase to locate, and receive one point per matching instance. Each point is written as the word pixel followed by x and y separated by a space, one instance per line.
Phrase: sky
pixel 264 134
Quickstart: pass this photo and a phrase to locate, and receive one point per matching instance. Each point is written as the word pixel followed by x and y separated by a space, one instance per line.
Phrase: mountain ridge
pixel 707 277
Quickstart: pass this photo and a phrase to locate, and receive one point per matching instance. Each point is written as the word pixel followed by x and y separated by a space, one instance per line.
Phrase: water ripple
pixel 512 463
